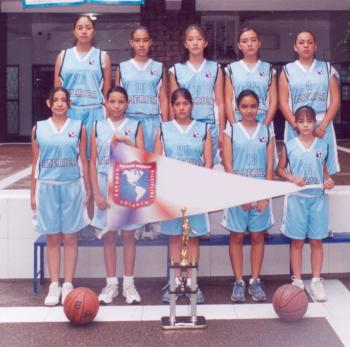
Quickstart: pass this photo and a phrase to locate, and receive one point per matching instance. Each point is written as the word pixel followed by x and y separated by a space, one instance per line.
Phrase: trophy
pixel 184 265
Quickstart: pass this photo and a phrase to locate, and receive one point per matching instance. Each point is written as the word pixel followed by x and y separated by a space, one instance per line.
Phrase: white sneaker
pixel 298 283
pixel 66 289
pixel 317 289
pixel 54 294
pixel 108 293
pixel 130 294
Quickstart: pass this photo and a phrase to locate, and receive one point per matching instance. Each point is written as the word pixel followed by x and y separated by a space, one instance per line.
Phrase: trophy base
pixel 183 322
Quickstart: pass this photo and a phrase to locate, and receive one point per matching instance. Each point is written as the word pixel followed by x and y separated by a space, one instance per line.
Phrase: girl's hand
pixel 329 183
pixel 247 207
pixel 101 202
pixel 299 181
pixel 318 132
pixel 262 204
pixel 118 138
pixel 33 203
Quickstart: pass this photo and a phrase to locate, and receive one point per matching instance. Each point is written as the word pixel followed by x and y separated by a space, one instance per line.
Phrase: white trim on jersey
pixel 201 67
pixel 181 129
pixel 304 68
pixel 54 128
pixel 140 67
pixel 77 55
pixel 303 148
pixel 245 132
pixel 246 67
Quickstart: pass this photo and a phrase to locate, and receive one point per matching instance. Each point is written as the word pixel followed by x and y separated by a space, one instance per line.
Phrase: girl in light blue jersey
pixel 145 82
pixel 311 82
pixel 248 151
pixel 59 189
pixel 86 72
pixel 115 128
pixel 204 79
pixel 305 215
pixel 187 140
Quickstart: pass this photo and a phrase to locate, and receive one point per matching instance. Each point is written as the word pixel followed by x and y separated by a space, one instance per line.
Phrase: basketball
pixel 81 306
pixel 290 302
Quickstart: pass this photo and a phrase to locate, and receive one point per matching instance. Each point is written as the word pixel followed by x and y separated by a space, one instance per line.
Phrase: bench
pixel 162 240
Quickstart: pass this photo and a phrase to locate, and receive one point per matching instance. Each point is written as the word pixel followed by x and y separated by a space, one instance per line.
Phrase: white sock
pixel 112 280
pixel 66 284
pixel 252 279
pixel 189 282
pixel 177 281
pixel 127 280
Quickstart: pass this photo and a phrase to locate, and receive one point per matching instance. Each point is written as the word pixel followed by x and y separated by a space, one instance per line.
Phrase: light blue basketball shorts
pixel 60 207
pixel 305 217
pixel 199 224
pixel 237 220
pixel 99 220
pixel 88 116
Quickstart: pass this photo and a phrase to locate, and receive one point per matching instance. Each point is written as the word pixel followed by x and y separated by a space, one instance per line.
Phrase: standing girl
pixel 248 152
pixel 204 79
pixel 254 74
pixel 187 140
pixel 86 72
pixel 305 214
pixel 57 193
pixel 145 82
pixel 311 82
pixel 115 128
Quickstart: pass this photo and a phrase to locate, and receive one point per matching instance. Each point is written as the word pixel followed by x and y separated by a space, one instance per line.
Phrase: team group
pixel 213 116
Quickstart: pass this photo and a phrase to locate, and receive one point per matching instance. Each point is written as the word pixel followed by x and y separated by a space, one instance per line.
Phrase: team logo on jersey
pixel 262 139
pixel 196 134
pixel 319 154
pixel 92 62
pixel 262 73
pixel 134 184
pixel 208 74
pixel 71 134
pixel 153 72
pixel 320 72
pixel 127 132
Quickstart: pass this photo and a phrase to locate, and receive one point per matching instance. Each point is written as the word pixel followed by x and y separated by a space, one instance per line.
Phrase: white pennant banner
pixel 48 3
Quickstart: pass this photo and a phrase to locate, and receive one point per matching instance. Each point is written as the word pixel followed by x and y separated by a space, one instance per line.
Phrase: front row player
pixel 58 193
pixel 115 128
pixel 187 140
pixel 303 162
pixel 248 151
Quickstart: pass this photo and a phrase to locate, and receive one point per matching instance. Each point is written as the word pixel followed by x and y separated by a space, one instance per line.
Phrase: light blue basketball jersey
pixel 104 131
pixel 249 151
pixel 258 79
pixel 184 144
pixel 308 87
pixel 201 85
pixel 142 85
pixel 59 150
pixel 83 77
pixel 307 163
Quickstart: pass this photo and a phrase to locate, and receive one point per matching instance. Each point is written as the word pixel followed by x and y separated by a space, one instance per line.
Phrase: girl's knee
pixel 70 239
pixel 129 237
pixel 237 238
pixel 257 238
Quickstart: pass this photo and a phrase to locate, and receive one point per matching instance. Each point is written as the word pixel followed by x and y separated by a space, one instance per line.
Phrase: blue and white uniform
pixel 185 145
pixel 82 76
pixel 311 88
pixel 305 213
pixel 104 131
pixel 142 84
pixel 59 189
pixel 249 158
pixel 201 83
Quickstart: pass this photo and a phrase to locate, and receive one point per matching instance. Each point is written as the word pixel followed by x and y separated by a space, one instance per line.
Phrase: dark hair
pixel 203 34
pixel 244 93
pixel 117 89
pixel 307 110
pixel 54 91
pixel 140 28
pixel 244 30
pixel 84 16
pixel 305 31
pixel 181 92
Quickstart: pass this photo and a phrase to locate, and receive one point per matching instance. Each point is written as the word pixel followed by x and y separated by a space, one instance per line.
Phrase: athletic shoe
pixel 238 291
pixel 54 294
pixel 256 291
pixel 66 289
pixel 166 296
pixel 130 294
pixel 108 293
pixel 298 283
pixel 200 296
pixel 317 289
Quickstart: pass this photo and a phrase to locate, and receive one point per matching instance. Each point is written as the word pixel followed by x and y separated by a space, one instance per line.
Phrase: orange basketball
pixel 290 302
pixel 81 306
